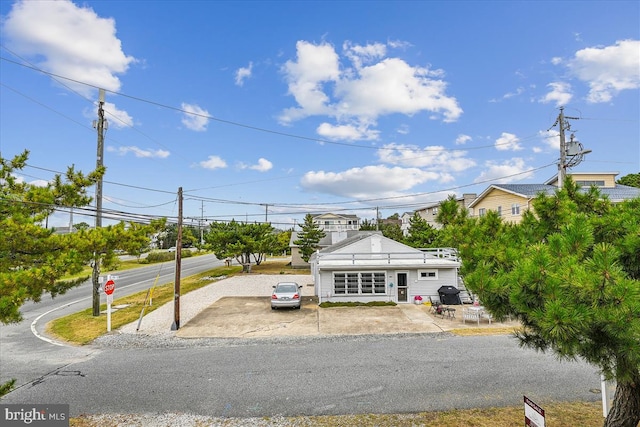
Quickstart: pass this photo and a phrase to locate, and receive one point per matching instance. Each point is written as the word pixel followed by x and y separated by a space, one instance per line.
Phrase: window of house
pixel 590 183
pixel 482 212
pixel 427 274
pixel 435 211
pixel 359 283
pixel 515 209
pixel 499 210
pixel 352 283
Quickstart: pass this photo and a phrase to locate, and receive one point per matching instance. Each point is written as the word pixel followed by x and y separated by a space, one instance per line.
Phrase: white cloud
pixel 347 132
pixel 359 54
pixel 551 139
pixel 608 70
pixel 315 65
pixel 373 86
pixel 463 139
pixel 243 73
pixel 194 117
pixel 213 162
pixel 436 158
pixel 263 165
pixel 68 40
pixel 560 93
pixel 366 182
pixel 506 172
pixel 138 152
pixel 508 141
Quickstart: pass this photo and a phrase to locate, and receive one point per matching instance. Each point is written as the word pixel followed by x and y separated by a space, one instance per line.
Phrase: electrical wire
pixel 247 126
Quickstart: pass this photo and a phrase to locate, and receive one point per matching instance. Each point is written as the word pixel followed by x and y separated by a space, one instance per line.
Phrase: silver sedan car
pixel 286 294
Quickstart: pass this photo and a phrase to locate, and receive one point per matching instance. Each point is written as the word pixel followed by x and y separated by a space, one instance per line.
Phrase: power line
pixel 247 126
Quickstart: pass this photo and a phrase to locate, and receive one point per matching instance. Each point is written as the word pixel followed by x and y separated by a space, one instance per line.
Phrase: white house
pixel 371 267
pixel 335 222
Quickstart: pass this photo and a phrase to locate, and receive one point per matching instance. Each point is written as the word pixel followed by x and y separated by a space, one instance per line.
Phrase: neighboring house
pixel 370 267
pixel 512 200
pixel 336 228
pixel 329 239
pixel 430 212
pixel 334 222
pixel 406 222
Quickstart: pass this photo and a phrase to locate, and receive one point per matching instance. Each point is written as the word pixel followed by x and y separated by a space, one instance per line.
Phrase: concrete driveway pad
pixel 251 317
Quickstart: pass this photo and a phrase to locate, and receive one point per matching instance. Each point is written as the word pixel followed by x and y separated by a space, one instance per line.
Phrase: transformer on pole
pixel 571 153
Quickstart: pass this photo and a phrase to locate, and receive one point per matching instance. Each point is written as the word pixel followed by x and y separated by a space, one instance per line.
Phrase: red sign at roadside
pixel 109 287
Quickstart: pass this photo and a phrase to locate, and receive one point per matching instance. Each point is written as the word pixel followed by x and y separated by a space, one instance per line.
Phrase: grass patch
pixel 83 327
pixel 466 332
pixel 565 414
pixel 328 304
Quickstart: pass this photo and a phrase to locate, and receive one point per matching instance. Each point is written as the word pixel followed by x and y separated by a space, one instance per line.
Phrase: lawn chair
pixel 436 306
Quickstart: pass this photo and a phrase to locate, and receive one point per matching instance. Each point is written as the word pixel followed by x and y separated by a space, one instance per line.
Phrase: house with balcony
pixel 336 228
pixel 330 222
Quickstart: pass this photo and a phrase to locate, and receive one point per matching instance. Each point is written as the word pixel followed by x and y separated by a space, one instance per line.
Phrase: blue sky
pixel 278 109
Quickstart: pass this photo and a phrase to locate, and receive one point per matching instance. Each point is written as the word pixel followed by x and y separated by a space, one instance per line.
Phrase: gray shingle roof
pixel 528 190
pixel 620 192
pixel 615 194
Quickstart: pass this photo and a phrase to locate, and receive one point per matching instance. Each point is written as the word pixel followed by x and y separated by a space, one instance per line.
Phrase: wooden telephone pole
pixel 176 286
pixel 100 126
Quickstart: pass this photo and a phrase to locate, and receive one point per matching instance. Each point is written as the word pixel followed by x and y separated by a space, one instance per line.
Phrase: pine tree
pixel 570 274
pixel 421 234
pixel 309 237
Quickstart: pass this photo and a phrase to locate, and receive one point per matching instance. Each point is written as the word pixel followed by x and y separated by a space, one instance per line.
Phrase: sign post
pixel 109 287
pixel 533 414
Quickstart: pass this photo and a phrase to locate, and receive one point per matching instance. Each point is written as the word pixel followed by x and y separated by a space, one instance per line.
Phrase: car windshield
pixel 287 289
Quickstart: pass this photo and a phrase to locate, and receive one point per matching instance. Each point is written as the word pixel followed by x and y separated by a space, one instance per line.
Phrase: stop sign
pixel 109 287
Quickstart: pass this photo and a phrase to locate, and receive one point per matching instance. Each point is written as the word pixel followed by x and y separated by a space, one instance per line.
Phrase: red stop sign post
pixel 109 287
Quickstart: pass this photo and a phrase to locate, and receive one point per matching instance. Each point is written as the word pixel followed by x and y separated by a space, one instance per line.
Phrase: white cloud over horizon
pixel 367 182
pixel 372 86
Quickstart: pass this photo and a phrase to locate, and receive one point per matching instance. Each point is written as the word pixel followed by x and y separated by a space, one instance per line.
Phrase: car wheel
pixel 273 308
pixel 298 307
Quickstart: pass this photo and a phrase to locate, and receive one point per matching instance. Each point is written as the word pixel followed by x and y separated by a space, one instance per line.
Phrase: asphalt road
pixel 312 376
pixel 26 357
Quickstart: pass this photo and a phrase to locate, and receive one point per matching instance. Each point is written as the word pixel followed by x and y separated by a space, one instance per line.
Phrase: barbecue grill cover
pixel 449 295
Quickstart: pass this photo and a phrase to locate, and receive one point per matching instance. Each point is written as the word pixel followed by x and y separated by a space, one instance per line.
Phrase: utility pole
pixel 563 124
pixel 176 285
pixel 100 126
pixel 266 213
pixel 202 223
